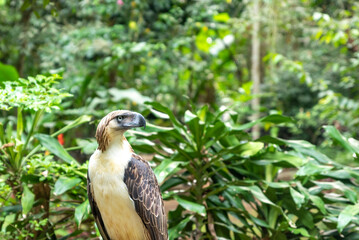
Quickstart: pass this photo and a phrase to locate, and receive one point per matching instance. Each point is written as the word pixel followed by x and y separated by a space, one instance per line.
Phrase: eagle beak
pixel 137 120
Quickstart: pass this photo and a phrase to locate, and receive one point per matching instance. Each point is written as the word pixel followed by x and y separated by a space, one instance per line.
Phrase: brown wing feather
pixel 95 211
pixel 144 190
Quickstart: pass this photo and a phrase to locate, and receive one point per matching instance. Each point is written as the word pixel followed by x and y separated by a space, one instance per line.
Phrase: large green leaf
pixel 257 193
pixel 300 146
pixel 189 116
pixel 27 200
pixel 338 185
pixel 300 231
pixel 8 73
pixel 166 168
pixel 280 157
pixel 311 168
pixel 339 174
pixel 9 219
pixel 275 118
pixel 75 123
pixel 346 216
pixel 175 232
pixel 259 222
pixel 191 206
pixel 196 127
pixel 248 149
pixel 154 128
pixel 319 203
pixel 55 147
pixel 81 211
pixel 278 184
pixel 165 110
pixel 335 134
pixel 171 182
pixel 64 183
pixel 298 198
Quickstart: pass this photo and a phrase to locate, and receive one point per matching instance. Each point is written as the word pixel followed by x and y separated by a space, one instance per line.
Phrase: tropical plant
pixel 231 187
pixel 28 209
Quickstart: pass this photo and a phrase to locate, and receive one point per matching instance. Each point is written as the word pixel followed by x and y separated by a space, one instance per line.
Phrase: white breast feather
pixel 106 171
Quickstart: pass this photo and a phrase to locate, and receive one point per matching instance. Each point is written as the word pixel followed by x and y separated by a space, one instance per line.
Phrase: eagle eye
pixel 119 118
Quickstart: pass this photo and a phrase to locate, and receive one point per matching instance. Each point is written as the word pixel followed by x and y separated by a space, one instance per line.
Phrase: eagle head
pixel 114 124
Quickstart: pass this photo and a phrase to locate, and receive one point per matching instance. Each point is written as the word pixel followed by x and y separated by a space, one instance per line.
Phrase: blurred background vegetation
pixel 252 107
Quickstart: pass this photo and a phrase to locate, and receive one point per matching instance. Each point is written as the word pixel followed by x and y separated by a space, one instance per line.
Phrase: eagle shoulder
pixel 144 190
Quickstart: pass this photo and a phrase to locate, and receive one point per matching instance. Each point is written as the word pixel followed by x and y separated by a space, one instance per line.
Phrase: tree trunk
pixel 255 68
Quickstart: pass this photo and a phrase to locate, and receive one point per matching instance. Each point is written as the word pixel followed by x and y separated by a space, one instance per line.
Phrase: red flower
pixel 61 139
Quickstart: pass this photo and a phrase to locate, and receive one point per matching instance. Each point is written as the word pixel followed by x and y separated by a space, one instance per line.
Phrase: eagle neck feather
pixel 114 160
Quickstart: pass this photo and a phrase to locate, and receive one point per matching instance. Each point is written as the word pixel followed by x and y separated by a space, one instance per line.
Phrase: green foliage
pixel 33 93
pixel 47 213
pixel 8 73
pixel 229 186
pixel 27 176
pixel 36 94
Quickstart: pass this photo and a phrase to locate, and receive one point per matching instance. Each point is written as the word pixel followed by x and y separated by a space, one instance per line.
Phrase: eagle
pixel 123 191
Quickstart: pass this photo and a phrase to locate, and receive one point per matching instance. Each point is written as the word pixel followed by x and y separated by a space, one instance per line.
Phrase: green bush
pixel 40 195
pixel 231 187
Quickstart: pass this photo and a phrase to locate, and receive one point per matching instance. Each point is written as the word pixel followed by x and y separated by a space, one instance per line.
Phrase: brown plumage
pixel 123 191
pixel 144 190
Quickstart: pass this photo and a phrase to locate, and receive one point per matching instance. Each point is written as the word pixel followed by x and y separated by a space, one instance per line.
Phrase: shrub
pixel 229 186
pixel 40 194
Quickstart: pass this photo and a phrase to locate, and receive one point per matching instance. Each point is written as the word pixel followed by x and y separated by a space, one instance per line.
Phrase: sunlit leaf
pixel 166 168
pixel 82 119
pixel 257 193
pixel 300 231
pixel 161 108
pixel 346 216
pixel 64 184
pixel 297 197
pixel 9 219
pixel 335 134
pixel 55 147
pixel 312 169
pixel 280 157
pixel 81 211
pixel 276 119
pixel 319 203
pixel 221 17
pixel 174 232
pixel 248 149
pixel 191 206
pixel 8 73
pixel 27 200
